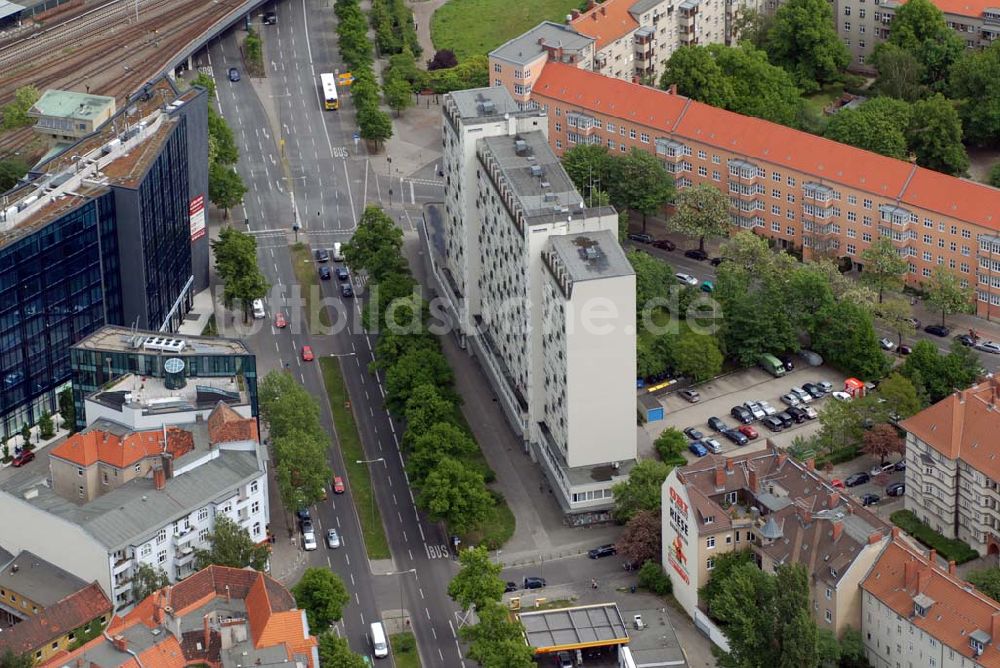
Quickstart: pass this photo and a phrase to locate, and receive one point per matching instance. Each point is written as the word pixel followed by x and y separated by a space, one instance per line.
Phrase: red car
pixel 838 483
pixel 748 431
pixel 307 354
pixel 279 320
pixel 23 458
pixel 338 485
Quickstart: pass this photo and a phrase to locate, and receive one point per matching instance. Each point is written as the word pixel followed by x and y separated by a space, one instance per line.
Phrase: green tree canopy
pixel 398 95
pixel 301 470
pixel 884 268
pixel 900 396
pixel 994 177
pixel 946 293
pixel 653 279
pixel 236 265
pixel 695 72
pixel 478 580
pixel 974 81
pixel 670 445
pixel 322 595
pixel 376 245
pixel 148 579
pixel 934 375
pixel 416 367
pixel 457 494
pixel 231 545
pixel 11 171
pixel 334 652
pixel 702 211
pixel 15 113
pixel 846 338
pixel 698 356
pixel 10 659
pixel 591 168
pixel 919 27
pixel 226 151
pixel 869 130
pixel 642 489
pixel 803 40
pixel 986 580
pixel 441 440
pixel 640 182
pixel 935 136
pixel 426 408
pixel 375 125
pixel 225 187
pixel 900 73
pixel 497 641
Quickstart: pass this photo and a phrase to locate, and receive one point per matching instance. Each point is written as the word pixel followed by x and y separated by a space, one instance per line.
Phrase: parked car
pixel 886 343
pixel 812 358
pixel 332 539
pixel 798 413
pixel 532 582
pixel 904 350
pixel 880 469
pixel 736 436
pixel 900 465
pixel 708 286
pixel 966 339
pixel 697 449
pixel 747 431
pixel 258 309
pixel 716 424
pixel 742 414
pixel 307 526
pixel 641 238
pixel 269 18
pixel 324 273
pixel 825 385
pixel 841 396
pixel 786 419
pixel 691 395
pixel 915 322
pixel 937 330
pixel 790 399
pixel 603 551
pixel 896 489
pixel 815 390
pixel 810 412
pixel 712 445
pixel 322 255
pixel 307 354
pixel 989 347
pixel 234 74
pixel 686 279
pixel 802 394
pixel 837 483
pixel 786 361
pixel 773 423
pixel 856 479
pixel 716 261
pixel 696 254
pixel 755 409
pixel 338 485
pixel 869 499
pixel 509 587
pixel 694 433
pixel 309 541
pixel 346 291
pixel 767 408
pixel 23 458
pixel 664 244
pixel 342 274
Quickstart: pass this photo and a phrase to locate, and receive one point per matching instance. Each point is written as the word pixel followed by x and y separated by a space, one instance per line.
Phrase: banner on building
pixel 196 212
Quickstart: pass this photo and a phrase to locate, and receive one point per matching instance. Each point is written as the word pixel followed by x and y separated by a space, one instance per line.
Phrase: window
pixel 709 564
pixel 791 198
pixel 851 249
pixel 861 12
pixel 644 138
pixel 702 155
pixel 161 536
pixel 496 67
pixel 79 471
pixel 558 127
pixel 80 491
pixel 966 234
pixel 776 176
pixel 104 478
pixel 138 467
pixel 852 216
pixel 255 507
pixel 829 593
pixel 790 215
pixel 146 550
pixel 702 170
pixel 790 231
pixel 161 556
pixel 715 159
pixel 847 11
pixel 716 176
pixel 828 616
pixel 867 203
pixel 964 267
pixel 621 131
pixel 631 133
pixel 775 211
pixel 791 181
pixel 847 26
pixel 927 239
pixel 729 540
pixel 867 221
pixel 203 513
pixel 611 126
pixel 851 233
pixel 710 543
pixel 851 199
pixel 256 528
pixel 254 486
pixel 775 225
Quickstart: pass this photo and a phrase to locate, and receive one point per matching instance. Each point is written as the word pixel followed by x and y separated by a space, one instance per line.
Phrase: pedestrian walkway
pixel 423 10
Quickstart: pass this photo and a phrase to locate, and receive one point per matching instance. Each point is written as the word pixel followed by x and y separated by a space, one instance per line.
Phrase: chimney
pixel 168 465
pixel 834 500
pixel 932 557
pixel 729 465
pixel 120 643
pixel 806 515
pixel 995 626
pixel 228 595
pixel 752 481
pixel 951 567
pixel 604 10
pixel 159 478
pixel 811 464
pixel 207 632
pixel 782 456
pixel 874 537
pixel 923 579
pixel 672 90
pixel 895 532
pixel 838 528
pixel 157 611
pixel 720 477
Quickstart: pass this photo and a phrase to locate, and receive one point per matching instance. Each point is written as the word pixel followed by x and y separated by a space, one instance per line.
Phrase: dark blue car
pixel 698 449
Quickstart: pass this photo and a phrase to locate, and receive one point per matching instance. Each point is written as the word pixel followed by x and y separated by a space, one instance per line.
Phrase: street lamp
pixel 402 617
pixel 372 499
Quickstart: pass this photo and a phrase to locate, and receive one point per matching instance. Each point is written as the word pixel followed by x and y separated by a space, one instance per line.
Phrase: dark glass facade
pixel 56 286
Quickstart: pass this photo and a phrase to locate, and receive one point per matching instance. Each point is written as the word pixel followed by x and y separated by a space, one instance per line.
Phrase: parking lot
pixel 718 397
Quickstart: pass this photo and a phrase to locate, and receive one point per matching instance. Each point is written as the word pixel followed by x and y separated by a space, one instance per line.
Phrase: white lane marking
pixel 421 590
pixel 434 631
pixel 421 527
pixel 352 579
pixel 394 502
pixel 452 627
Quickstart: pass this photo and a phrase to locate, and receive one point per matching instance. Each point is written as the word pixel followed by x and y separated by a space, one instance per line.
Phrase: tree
pixel 426 408
pixel 375 126
pixel 641 540
pixel 641 183
pixel 46 429
pixel 803 40
pixel 146 580
pixel 10 659
pixel 881 441
pixel 884 268
pixel 231 545
pixel 986 580
pixel 900 396
pixel 974 82
pixel 751 26
pixel 878 125
pixel 827 649
pixel 225 187
pixel 698 356
pixel 653 279
pixel 852 649
pixel 591 168
pixel 934 375
pixel 301 471
pixel 994 177
pixel 374 244
pixel 322 595
pixel 334 652
pixel 695 72
pixel 725 564
pixel 26 436
pixel 653 578
pixel 442 60
pixel 236 264
pixel 205 81
pixel 641 491
pixel 759 88
pixel 11 171
pixel 285 405
pixel 415 368
pixel 919 27
pixel 226 151
pixel 946 292
pixel 478 580
pixel 67 409
pixel 897 314
pixel 497 641
pixel 441 440
pixel 846 337
pixel 702 210
pixel 15 113
pixel 670 445
pixel 398 95
pixel 456 494
pixel 900 74
pixel 935 136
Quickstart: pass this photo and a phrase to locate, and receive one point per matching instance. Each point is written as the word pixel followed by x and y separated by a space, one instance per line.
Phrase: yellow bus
pixel 330 99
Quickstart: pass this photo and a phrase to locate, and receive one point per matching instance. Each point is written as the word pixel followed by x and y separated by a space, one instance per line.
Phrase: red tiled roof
pixel 606 22
pixel 225 425
pixel 963 426
pixel 958 609
pixel 972 8
pixel 72 612
pixel 681 118
pixel 88 448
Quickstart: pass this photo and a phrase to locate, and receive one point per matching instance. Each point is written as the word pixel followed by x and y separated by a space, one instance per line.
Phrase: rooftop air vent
pixel 536 170
pixel 488 107
pixel 520 147
pixel 164 343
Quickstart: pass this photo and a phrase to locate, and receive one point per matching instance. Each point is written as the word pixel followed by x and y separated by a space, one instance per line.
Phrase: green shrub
pixel 951 549
pixel 653 579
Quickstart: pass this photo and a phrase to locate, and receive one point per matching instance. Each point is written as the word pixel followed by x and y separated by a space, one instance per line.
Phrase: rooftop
pixel 152 396
pixel 56 620
pixel 122 339
pixel 486 104
pixel 32 577
pixel 8 8
pixel 963 426
pixel 953 610
pixel 129 170
pixel 680 118
pixel 70 104
pixel 574 628
pixel 527 47
pixel 970 8
pixel 607 22
pixel 590 255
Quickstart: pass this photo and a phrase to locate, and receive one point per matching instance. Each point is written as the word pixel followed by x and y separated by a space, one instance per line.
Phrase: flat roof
pixel 44 583
pixel 153 396
pixel 591 255
pixel 71 104
pixel 111 338
pixel 486 103
pixel 574 628
pixel 527 47
pixel 8 9
pixel 656 644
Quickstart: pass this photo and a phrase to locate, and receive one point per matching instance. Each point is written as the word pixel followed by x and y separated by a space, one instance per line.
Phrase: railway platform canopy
pixel 10 12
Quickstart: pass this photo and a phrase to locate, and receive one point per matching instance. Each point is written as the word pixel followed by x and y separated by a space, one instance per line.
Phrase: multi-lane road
pixel 301 165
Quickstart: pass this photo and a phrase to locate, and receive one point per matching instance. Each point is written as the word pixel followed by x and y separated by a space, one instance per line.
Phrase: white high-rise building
pixel 540 291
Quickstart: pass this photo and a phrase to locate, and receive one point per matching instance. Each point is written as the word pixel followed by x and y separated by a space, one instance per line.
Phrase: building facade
pixel 781 510
pixel 101 233
pixel 807 193
pixel 917 613
pixel 952 478
pixel 515 291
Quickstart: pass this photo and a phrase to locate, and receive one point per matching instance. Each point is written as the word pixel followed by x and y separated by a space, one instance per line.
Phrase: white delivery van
pixel 338 255
pixel 258 309
pixel 379 643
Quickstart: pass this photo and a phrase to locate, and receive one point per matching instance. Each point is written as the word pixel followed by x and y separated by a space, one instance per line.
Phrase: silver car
pixel 755 410
pixel 767 408
pixel 332 539
pixel 712 445
pixel 790 399
pixel 804 397
pixel 989 347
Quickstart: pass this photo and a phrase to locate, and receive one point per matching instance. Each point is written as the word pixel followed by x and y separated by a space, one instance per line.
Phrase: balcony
pixel 820 194
pixel 184 556
pixel 743 170
pixel 122 565
pixel 671 150
pixel 185 537
pixel 584 124
pixel 901 240
pixel 745 191
pixel 813 212
pixel 897 216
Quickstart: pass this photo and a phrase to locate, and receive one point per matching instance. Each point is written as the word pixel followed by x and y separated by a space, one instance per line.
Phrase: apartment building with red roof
pixel 917 613
pixel 953 466
pixel 77 617
pixel 219 617
pixel 807 193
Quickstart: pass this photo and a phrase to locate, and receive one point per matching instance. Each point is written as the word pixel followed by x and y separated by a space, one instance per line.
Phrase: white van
pixel 379 643
pixel 258 309
pixel 338 255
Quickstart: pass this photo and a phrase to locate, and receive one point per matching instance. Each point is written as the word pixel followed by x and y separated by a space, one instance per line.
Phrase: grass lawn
pixel 495 530
pixel 476 27
pixel 308 280
pixel 358 475
pixel 404 650
pixel 949 548
pixel 818 101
